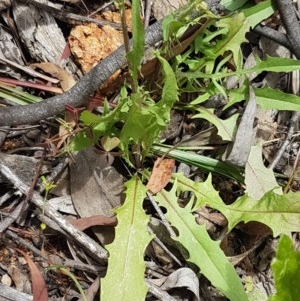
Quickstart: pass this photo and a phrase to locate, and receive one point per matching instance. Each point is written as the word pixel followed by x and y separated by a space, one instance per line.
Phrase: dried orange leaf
pixel 161 174
pixel 67 81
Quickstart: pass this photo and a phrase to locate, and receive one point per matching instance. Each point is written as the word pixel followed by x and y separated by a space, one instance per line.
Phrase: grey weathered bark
pixel 291 23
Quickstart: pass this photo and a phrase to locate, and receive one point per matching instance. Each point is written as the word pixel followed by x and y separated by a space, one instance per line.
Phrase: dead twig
pixel 291 24
pixel 89 245
pixel 54 259
pixel 162 245
pixel 25 243
pixel 161 215
pixel 79 94
pixel 293 123
pixel 29 193
pixel 274 35
pixel 9 219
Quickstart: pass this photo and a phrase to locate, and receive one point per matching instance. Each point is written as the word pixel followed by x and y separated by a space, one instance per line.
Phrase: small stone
pixel 6 280
pixel 22 260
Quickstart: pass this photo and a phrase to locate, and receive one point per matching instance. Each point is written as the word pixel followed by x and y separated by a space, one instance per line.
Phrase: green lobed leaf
pixel 203 251
pixel 204 191
pixel 170 88
pixel 286 271
pixel 258 178
pixel 222 42
pixel 226 128
pixel 279 212
pixel 267 98
pixel 97 126
pixel 145 118
pixel 255 14
pixel 271 64
pixel 80 142
pixel 237 27
pixel 140 127
pixel 176 23
pixel 170 26
pixel 124 279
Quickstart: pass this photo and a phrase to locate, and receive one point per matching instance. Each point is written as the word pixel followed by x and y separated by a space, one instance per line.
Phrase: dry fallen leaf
pixel 94 220
pixel 39 289
pixel 161 174
pixel 245 134
pixel 95 189
pixel 66 80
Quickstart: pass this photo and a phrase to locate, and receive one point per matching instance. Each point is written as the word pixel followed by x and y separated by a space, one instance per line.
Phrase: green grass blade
pixel 17 96
pixel 135 56
pixel 267 98
pixel 205 163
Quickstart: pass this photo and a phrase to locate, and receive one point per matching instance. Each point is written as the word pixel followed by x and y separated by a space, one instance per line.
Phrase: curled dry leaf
pixel 161 174
pixel 66 80
pixel 95 189
pixel 245 134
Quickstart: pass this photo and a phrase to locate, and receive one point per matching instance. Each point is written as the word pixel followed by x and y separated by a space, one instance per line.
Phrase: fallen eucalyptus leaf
pixel 67 81
pixel 94 220
pixel 244 136
pixel 39 288
pixel 95 189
